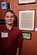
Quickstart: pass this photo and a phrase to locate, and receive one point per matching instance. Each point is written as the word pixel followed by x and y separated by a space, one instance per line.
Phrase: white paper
pixel 26 19
pixel 4 34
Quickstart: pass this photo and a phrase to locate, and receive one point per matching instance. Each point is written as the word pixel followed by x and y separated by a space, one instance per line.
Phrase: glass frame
pixel 26 1
pixel 27 35
pixel 33 20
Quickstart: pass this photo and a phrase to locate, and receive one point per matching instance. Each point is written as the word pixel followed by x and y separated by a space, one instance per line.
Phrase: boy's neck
pixel 9 26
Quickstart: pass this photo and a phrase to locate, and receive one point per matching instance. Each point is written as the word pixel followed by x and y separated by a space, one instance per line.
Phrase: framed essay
pixel 26 1
pixel 26 20
pixel 27 36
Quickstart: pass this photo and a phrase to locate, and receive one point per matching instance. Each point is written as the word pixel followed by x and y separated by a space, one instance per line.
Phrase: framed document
pixel 26 1
pixel 26 20
pixel 27 35
pixel 3 5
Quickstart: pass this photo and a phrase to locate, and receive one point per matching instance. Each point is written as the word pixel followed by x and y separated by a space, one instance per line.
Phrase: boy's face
pixel 9 18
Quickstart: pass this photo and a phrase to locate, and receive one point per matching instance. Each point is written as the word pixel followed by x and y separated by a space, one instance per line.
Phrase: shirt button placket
pixel 8 43
pixel 8 49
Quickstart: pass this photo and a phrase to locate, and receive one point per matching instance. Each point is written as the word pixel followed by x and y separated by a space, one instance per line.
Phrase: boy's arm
pixel 18 49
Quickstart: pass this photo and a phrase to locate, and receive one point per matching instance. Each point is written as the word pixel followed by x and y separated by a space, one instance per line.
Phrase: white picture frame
pixel 4 5
pixel 26 20
pixel 26 1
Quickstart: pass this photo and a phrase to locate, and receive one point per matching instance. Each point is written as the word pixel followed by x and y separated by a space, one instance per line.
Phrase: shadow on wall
pixel 16 21
pixel 2 21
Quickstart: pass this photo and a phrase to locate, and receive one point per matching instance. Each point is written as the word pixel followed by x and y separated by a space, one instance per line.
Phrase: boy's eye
pixel 7 16
pixel 12 16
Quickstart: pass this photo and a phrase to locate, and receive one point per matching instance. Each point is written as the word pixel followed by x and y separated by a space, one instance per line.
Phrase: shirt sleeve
pixel 0 30
pixel 19 40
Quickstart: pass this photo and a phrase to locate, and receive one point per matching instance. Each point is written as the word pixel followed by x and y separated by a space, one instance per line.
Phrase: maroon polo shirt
pixel 9 45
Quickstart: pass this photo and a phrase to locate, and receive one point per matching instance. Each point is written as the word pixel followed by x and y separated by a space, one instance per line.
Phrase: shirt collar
pixel 5 27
